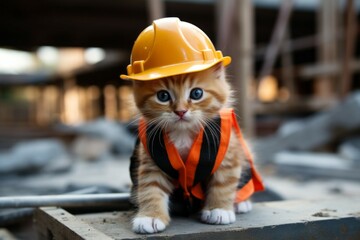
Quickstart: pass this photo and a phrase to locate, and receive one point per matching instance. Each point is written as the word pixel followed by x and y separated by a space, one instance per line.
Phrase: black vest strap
pixel 209 150
pixel 157 150
pixel 246 176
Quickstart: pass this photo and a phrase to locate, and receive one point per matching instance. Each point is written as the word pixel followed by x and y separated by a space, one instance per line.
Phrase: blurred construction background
pixel 65 116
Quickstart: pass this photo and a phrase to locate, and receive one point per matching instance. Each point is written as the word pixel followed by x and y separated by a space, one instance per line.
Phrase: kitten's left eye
pixel 163 96
pixel 196 93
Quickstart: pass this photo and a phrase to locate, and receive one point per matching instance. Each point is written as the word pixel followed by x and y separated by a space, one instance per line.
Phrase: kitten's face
pixel 184 101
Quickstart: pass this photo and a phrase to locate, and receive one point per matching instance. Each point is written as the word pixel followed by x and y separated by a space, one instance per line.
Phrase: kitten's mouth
pixel 182 120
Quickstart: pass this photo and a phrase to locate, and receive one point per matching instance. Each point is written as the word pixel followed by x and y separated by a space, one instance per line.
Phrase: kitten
pixel 180 107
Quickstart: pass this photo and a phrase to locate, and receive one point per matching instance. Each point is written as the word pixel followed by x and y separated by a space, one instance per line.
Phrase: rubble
pixel 91 148
pixel 47 166
pixel 308 165
pixel 32 156
pixel 314 160
pixel 312 132
pixel 289 186
pixel 111 175
pixel 350 149
pixel 116 134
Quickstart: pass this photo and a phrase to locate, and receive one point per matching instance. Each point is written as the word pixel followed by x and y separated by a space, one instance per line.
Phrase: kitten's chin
pixel 184 125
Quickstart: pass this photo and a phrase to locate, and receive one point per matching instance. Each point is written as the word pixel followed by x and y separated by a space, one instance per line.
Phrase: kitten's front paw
pixel 218 216
pixel 147 225
pixel 243 207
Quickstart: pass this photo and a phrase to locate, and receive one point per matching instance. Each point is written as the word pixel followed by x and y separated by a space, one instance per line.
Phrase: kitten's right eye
pixel 163 96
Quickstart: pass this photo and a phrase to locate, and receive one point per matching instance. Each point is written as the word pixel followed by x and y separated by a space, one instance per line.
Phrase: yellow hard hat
pixel 170 47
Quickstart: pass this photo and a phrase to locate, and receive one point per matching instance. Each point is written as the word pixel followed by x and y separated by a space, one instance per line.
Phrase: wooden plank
pixel 336 218
pixel 56 223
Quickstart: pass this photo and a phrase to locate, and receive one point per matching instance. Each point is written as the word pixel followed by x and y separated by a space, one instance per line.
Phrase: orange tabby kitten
pixel 181 106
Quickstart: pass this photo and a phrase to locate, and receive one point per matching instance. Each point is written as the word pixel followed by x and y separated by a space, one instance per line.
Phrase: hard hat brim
pixel 176 69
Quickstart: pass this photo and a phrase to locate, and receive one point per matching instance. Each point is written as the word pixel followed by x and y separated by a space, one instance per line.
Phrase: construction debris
pixel 308 164
pixel 91 148
pixel 313 132
pixel 350 149
pixel 47 155
pixel 121 140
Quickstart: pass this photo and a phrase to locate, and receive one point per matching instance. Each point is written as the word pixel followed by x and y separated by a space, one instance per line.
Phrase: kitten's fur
pixel 154 186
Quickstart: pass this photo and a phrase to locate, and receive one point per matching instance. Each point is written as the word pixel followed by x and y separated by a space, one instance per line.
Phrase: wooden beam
pixel 288 68
pixel 277 38
pixel 244 64
pixel 328 17
pixel 156 9
pixel 349 48
pixel 225 12
pixel 235 29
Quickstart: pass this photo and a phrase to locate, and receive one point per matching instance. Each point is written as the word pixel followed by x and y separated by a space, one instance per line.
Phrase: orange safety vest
pixel 205 156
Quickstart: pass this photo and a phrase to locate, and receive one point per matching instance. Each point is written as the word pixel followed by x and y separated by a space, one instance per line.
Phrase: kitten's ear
pixel 136 83
pixel 218 70
pixel 218 67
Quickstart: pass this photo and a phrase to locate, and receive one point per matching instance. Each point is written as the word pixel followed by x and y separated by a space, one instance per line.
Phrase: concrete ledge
pixel 305 219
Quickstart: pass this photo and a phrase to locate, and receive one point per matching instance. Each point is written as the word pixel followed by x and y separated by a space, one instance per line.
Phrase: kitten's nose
pixel 180 113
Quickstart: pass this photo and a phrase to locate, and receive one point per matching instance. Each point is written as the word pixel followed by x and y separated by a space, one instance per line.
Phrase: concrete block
pixel 300 219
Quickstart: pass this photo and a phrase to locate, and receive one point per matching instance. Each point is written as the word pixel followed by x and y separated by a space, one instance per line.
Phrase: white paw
pixel 147 225
pixel 243 207
pixel 218 216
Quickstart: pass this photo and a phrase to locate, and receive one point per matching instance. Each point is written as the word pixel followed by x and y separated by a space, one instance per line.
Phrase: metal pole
pixel 71 200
